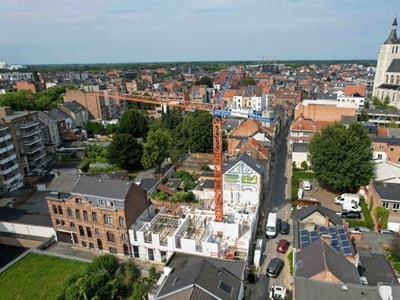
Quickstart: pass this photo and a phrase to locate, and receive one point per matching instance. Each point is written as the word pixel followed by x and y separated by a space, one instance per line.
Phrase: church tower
pixel 387 74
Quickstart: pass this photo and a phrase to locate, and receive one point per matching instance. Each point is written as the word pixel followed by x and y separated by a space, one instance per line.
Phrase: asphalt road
pixel 274 201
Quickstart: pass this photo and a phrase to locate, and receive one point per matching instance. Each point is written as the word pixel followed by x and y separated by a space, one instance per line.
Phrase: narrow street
pixel 277 198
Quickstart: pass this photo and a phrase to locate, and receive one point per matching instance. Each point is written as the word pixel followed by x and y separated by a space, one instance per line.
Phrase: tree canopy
pixel 341 157
pixel 26 100
pixel 134 122
pixel 205 81
pixel 124 151
pixel 157 148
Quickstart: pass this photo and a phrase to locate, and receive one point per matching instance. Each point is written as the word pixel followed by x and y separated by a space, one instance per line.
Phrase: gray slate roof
pixel 46 117
pixel 149 183
pixel 63 183
pixel 387 190
pixel 300 147
pixel 58 114
pixel 319 256
pixel 376 268
pixel 306 211
pixel 389 140
pixel 394 66
pixel 201 275
pixel 23 216
pixel 73 106
pixel 255 165
pixel 309 289
pixel 107 188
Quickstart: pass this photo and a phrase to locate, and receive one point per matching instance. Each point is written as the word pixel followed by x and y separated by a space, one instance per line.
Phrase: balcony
pixel 7 148
pixel 40 162
pixel 32 150
pixel 8 159
pixel 11 180
pixel 9 170
pixel 27 125
pixel 32 140
pixel 30 132
pixel 5 138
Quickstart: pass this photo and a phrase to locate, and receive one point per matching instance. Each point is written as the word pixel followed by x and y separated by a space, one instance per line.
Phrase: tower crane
pixel 219 112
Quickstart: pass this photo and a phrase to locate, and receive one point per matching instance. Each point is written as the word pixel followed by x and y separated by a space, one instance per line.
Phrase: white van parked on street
pixel 347 199
pixel 272 222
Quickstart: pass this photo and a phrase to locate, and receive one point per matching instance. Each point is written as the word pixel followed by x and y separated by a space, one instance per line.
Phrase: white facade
pixel 299 157
pixel 259 103
pixel 242 187
pixel 16 76
pixel 387 78
pixel 357 101
pixel 237 102
pixel 26 229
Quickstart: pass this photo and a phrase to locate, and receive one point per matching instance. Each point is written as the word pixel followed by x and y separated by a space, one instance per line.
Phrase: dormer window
pixel 78 200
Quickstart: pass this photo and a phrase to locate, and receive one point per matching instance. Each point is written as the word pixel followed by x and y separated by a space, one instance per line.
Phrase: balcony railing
pixel 7 159
pixel 5 138
pixel 10 169
pixel 31 150
pixel 29 133
pixel 7 148
pixel 29 124
pixel 11 180
pixel 31 141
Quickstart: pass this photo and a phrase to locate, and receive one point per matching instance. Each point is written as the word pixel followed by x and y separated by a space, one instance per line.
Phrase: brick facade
pixel 94 104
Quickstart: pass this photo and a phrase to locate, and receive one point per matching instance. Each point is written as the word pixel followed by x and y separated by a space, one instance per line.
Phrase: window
pixel 110 203
pixel 294 133
pixel 94 217
pixel 91 246
pixel 97 231
pixel 110 237
pixel 381 147
pixel 136 251
pixel 55 210
pixel 78 214
pixel 69 212
pixel 385 204
pixel 81 231
pixel 58 222
pixel 62 223
pixel 85 215
pixel 89 232
pixel 391 149
pixel 124 236
pixel 78 200
pixel 396 206
pixel 60 212
pixel 72 224
pixel 121 222
pixel 83 244
pixel 113 250
pixel 100 202
pixel 108 220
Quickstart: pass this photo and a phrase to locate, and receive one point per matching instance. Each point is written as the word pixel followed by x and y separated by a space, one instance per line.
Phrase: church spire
pixel 392 39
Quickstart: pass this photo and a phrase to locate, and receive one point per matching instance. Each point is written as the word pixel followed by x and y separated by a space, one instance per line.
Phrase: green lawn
pixel 37 277
pixel 303 175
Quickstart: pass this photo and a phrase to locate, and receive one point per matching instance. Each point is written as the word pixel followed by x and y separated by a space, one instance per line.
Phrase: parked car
pixel 353 207
pixel 351 215
pixel 285 228
pixel 283 246
pixel 275 267
pixel 277 292
pixel 387 231
pixel 306 185
pixel 359 229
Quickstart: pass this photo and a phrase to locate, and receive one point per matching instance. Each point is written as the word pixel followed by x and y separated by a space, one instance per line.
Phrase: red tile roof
pixel 350 90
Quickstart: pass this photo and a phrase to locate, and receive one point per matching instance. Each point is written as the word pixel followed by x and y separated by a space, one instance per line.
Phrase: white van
pixel 347 199
pixel 272 222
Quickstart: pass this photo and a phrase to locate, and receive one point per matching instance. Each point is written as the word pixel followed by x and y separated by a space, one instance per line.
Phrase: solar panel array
pixel 339 240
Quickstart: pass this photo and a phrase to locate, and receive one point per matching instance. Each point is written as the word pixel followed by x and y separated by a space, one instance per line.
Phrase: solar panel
pixel 313 236
pixel 341 231
pixel 336 247
pixel 304 239
pixel 303 232
pixel 322 229
pixel 304 244
pixel 332 230
pixel 343 237
pixel 345 244
pixel 347 250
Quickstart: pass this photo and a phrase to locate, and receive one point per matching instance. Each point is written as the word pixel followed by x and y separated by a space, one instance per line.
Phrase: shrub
pixel 367 214
pixel 205 168
pixel 381 216
pixel 290 259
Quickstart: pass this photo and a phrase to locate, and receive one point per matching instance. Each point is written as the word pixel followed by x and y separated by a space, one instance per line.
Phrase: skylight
pixel 225 287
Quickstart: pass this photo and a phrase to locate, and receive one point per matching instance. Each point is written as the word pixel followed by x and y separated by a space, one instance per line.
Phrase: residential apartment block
pixel 94 104
pixel 96 213
pixel 28 139
pixel 10 172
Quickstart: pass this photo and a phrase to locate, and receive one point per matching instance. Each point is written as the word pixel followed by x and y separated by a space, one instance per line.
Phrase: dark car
pixel 275 266
pixel 283 246
pixel 351 215
pixel 285 228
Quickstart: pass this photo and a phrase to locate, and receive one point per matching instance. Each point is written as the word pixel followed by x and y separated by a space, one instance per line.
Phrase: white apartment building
pixel 15 76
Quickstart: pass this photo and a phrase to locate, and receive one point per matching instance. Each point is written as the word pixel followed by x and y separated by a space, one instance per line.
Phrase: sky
pixel 112 31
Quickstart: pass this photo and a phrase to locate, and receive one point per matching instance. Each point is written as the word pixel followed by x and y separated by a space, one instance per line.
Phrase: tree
pixel 392 124
pixel 93 127
pixel 304 165
pixel 171 118
pixel 157 148
pixel 246 81
pixel 363 117
pixel 124 151
pixel 342 157
pixel 133 122
pixel 381 215
pixel 205 81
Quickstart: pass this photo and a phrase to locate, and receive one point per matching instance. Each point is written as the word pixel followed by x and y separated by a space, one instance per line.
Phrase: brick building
pixel 25 85
pixel 324 110
pixel 96 213
pixel 94 104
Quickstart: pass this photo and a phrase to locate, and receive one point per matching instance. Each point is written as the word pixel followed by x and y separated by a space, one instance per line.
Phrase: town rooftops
pixel 23 216
pixel 307 211
pixel 255 165
pixel 387 190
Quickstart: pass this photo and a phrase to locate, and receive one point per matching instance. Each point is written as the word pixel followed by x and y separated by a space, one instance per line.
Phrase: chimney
pixel 327 238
